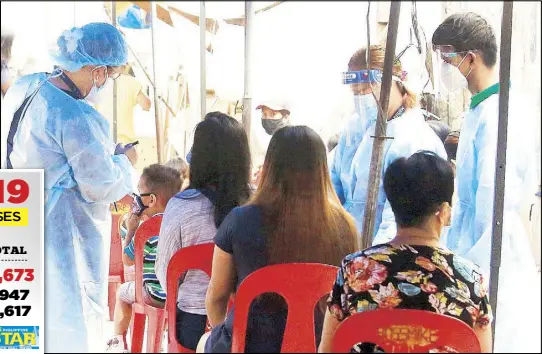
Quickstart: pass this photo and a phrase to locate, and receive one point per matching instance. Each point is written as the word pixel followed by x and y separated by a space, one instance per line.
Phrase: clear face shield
pixel 448 78
pixel 365 87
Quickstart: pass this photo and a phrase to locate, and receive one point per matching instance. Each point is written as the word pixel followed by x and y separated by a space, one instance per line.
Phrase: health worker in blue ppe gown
pixel 407 128
pixel 349 139
pixel 465 50
pixel 54 128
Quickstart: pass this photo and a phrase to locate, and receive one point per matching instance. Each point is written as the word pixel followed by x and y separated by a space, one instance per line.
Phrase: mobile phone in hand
pixel 129 145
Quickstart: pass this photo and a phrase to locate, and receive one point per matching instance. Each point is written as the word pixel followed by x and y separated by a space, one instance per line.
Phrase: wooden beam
pixel 161 13
pixel 164 14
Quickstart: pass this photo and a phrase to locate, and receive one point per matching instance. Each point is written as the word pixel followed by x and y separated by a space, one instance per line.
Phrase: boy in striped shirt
pixel 157 185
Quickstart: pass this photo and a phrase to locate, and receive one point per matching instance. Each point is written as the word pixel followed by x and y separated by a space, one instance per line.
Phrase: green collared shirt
pixel 484 94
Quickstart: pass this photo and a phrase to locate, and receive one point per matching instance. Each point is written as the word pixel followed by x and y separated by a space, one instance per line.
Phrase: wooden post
pixel 159 146
pixel 203 65
pixel 247 98
pixel 380 129
pixel 115 122
pixel 500 165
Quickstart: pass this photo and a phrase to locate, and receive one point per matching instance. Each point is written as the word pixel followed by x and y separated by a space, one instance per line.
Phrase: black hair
pixel 451 143
pixel 162 180
pixel 333 141
pixel 221 161
pixel 467 31
pixel 417 186
pixel 440 128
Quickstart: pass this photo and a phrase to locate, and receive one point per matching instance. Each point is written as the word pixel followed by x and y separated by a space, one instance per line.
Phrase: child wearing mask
pixel 157 185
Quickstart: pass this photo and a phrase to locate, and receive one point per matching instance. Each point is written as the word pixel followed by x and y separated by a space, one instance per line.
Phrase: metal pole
pixel 203 65
pixel 155 92
pixel 115 123
pixel 380 129
pixel 500 165
pixel 247 98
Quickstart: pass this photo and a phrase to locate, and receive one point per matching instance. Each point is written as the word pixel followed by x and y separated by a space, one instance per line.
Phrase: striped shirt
pixel 150 281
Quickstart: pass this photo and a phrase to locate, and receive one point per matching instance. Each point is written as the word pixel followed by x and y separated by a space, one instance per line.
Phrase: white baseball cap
pixel 276 105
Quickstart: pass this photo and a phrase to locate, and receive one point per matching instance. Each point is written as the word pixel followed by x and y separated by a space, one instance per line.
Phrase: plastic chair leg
pixel 112 298
pixel 155 333
pixel 138 332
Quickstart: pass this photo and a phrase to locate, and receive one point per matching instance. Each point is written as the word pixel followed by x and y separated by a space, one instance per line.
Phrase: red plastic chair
pixel 302 285
pixel 198 257
pixel 116 267
pixel 405 331
pixel 140 310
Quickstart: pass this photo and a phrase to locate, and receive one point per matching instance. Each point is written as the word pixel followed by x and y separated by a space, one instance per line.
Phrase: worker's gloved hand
pixel 120 149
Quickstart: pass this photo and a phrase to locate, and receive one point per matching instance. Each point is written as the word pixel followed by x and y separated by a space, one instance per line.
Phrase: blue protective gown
pixel 349 141
pixel 410 134
pixel 518 321
pixel 71 141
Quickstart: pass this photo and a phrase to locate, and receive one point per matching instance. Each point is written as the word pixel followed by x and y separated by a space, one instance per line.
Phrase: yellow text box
pixel 13 217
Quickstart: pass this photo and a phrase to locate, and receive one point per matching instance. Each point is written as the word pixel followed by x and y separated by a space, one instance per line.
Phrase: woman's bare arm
pixel 485 337
pixel 328 332
pixel 221 286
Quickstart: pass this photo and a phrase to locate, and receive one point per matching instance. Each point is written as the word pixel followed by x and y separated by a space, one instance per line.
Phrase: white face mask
pixel 94 96
pixel 451 78
pixel 366 106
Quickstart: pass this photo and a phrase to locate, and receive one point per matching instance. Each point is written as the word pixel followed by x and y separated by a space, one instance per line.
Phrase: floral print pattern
pixel 386 297
pixel 364 273
pixel 410 277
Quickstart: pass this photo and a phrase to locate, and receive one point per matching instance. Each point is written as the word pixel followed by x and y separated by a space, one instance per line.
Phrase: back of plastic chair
pixel 199 257
pixel 116 267
pixel 145 231
pixel 405 331
pixel 301 285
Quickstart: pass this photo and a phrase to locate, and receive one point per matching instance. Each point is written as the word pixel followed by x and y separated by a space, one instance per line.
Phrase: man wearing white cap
pixel 275 115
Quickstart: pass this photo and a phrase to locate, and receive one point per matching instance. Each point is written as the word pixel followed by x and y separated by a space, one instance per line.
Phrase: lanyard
pixel 74 91
pixel 397 114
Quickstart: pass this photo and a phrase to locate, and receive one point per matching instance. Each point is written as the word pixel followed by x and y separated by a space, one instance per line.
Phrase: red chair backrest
pixel 198 257
pixel 116 266
pixel 405 331
pixel 145 231
pixel 301 285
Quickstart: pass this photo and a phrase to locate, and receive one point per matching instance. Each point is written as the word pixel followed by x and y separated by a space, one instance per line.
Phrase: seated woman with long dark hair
pixel 218 182
pixel 294 216
pixel 412 271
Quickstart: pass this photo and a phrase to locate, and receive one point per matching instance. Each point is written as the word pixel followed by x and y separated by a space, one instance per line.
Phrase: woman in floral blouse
pixel 412 271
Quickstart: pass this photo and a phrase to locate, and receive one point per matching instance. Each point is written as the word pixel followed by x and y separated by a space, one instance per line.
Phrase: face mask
pixel 366 106
pixel 451 78
pixel 94 94
pixel 272 125
pixel 138 207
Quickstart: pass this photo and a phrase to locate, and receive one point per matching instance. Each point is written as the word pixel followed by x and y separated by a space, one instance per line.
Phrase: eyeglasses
pixel 112 74
pixel 454 54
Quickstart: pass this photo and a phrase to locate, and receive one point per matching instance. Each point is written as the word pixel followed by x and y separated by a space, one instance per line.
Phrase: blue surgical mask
pixel 366 106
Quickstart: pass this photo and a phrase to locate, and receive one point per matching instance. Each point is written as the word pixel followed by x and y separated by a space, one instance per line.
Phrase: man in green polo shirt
pixel 466 51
